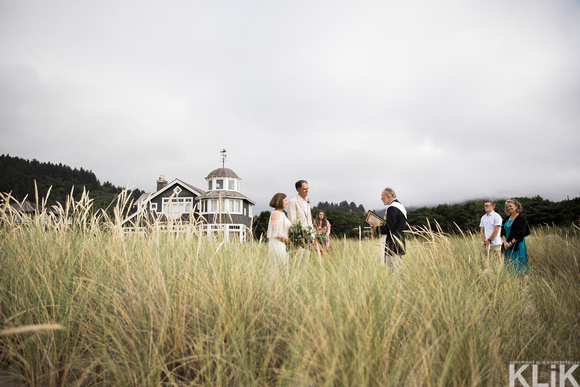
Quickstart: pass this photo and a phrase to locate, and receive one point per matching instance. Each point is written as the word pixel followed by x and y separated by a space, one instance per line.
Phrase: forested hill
pixel 18 176
pixel 466 216
pixel 346 218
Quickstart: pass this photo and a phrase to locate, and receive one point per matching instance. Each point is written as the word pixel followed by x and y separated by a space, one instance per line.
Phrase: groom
pixel 299 209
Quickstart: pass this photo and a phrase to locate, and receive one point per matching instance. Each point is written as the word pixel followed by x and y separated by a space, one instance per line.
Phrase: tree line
pixel 346 218
pixel 466 216
pixel 19 177
pixel 343 206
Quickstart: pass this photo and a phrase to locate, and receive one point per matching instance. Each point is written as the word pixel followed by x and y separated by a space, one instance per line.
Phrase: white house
pixel 222 209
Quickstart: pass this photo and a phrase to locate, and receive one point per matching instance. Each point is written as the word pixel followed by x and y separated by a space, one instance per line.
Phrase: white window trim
pixel 212 184
pixel 208 206
pixel 182 203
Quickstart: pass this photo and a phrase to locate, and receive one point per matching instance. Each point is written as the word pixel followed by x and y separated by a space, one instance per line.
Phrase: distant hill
pixel 461 216
pixel 17 177
pixel 466 216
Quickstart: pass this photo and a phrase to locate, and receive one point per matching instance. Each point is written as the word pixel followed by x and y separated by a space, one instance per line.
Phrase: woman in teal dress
pixel 513 234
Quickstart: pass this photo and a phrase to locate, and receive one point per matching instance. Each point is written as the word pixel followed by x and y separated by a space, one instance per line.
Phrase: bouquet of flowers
pixel 300 236
pixel 321 237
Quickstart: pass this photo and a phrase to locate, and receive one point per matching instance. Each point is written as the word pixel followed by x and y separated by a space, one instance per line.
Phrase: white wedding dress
pixel 277 228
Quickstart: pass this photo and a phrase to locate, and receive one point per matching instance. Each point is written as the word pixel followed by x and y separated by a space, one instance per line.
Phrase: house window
pixel 206 206
pixel 215 206
pixel 154 207
pixel 219 184
pixel 210 206
pixel 209 185
pixel 233 206
pixel 232 185
pixel 175 207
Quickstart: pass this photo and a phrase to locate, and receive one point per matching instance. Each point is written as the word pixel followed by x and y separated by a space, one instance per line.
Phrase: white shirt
pixel 488 222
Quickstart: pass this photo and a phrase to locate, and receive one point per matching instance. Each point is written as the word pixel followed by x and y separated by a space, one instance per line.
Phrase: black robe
pixel 393 229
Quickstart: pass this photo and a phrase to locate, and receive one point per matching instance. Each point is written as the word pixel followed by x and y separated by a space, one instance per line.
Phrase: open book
pixel 374 219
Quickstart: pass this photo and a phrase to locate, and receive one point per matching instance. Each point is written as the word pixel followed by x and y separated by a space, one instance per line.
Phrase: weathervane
pixel 224 157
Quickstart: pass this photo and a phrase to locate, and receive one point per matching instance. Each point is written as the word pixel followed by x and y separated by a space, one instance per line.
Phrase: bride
pixel 278 227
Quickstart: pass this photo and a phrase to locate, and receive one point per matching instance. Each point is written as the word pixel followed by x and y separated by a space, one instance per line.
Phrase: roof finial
pixel 224 157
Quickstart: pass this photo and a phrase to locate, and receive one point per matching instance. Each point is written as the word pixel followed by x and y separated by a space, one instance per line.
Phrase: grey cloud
pixel 436 99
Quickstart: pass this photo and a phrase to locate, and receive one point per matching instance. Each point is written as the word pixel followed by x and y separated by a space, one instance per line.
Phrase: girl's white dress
pixel 277 229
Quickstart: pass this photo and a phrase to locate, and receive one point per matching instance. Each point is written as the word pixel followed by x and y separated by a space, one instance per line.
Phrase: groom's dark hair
pixel 298 184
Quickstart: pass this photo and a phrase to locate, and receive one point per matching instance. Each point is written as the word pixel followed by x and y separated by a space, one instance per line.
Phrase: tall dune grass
pixel 82 303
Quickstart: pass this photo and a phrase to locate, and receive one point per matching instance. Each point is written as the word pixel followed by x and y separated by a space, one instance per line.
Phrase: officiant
pixel 392 230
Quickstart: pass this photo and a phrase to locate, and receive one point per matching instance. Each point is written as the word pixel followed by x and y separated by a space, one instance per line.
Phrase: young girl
pixel 322 227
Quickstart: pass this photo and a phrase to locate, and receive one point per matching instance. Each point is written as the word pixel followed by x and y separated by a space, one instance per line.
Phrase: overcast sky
pixel 445 101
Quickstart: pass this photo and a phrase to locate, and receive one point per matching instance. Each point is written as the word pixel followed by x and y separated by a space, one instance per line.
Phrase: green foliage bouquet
pixel 321 237
pixel 300 236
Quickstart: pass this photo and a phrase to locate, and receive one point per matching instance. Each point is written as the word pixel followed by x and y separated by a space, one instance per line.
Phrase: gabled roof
pixel 142 198
pixel 25 206
pixel 194 188
pixel 29 207
pixel 149 196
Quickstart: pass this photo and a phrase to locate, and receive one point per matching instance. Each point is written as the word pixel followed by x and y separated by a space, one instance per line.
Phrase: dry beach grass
pixel 83 304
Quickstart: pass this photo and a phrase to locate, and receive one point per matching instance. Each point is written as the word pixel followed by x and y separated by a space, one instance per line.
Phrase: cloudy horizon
pixel 446 102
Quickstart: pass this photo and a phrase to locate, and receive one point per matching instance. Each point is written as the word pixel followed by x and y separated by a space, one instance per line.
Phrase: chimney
pixel 161 183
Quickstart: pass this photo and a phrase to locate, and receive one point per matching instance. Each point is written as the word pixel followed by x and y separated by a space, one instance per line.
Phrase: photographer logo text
pixel 543 374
